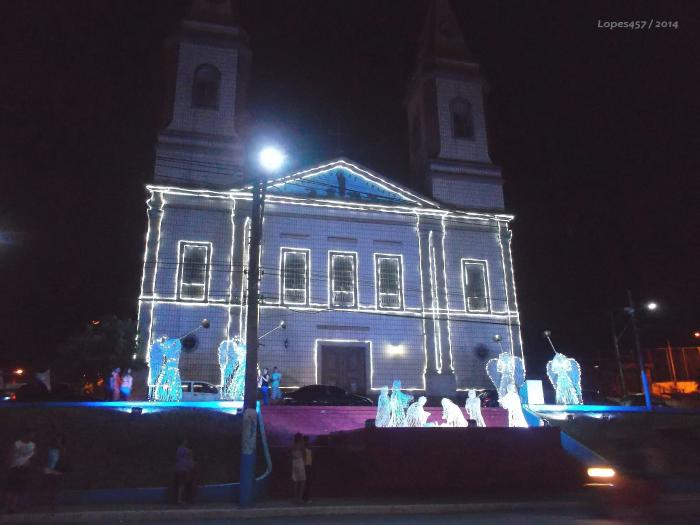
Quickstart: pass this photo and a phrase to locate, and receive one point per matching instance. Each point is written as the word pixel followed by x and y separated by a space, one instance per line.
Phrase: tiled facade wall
pixel 468 192
pixel 461 149
pixel 320 231
pixel 200 120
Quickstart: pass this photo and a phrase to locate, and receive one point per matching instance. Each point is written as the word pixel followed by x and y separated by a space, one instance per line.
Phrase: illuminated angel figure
pixel 398 401
pixel 511 402
pixel 473 407
pixel 382 417
pixel 155 363
pixel 506 370
pixel 238 382
pixel 168 386
pixel 415 415
pixel 565 375
pixel 232 365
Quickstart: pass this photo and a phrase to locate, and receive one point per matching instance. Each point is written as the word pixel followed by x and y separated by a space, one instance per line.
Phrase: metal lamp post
pixel 270 161
pixel 632 312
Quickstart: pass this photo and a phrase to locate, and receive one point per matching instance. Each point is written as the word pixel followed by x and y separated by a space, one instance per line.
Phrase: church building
pixel 374 280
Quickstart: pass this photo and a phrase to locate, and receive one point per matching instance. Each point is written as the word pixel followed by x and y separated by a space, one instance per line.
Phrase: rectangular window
pixel 343 280
pixel 476 286
pixel 295 276
pixel 388 281
pixel 194 271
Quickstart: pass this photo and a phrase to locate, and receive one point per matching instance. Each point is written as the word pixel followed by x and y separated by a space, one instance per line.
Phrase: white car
pixel 199 391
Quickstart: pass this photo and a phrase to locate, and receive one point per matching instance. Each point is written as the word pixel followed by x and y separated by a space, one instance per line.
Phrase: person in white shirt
pixel 20 458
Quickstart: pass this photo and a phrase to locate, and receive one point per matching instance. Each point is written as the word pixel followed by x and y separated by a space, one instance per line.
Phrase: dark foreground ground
pixel 116 449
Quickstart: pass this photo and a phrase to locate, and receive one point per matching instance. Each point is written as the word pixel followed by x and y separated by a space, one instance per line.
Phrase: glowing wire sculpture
pixel 232 363
pixel 504 371
pixel 511 402
pixel 473 408
pixel 565 375
pixel 398 401
pixel 169 387
pixel 382 417
pixel 155 363
pixel 452 414
pixel 415 415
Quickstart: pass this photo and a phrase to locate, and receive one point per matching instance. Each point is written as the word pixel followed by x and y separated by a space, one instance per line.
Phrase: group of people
pixel 21 460
pixel 269 385
pixel 119 386
pixel 302 468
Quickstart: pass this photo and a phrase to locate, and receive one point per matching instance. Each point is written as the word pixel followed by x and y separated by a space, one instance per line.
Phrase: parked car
pixel 199 391
pixel 324 395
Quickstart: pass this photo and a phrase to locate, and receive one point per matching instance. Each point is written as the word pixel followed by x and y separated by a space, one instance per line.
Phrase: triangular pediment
pixel 345 181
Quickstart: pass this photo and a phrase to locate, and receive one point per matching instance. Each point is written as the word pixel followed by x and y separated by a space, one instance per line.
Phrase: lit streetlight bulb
pixel 651 306
pixel 271 159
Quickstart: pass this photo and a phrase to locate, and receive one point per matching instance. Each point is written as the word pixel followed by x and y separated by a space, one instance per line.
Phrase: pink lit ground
pixel 282 422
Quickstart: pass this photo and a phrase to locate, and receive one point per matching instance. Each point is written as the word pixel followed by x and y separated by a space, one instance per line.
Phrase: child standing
pixel 298 467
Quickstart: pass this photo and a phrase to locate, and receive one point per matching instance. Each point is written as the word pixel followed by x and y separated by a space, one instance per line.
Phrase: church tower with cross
pixel 206 73
pixel 449 155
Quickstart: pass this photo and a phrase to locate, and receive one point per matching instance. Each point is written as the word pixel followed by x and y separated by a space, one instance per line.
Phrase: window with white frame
pixel 476 285
pixel 295 276
pixel 389 281
pixel 343 268
pixel 193 276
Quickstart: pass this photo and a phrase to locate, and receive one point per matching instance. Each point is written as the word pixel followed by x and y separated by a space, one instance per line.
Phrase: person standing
pixel 308 469
pixel 116 384
pixel 275 385
pixel 264 383
pixel 298 467
pixel 184 473
pixel 20 458
pixel 127 384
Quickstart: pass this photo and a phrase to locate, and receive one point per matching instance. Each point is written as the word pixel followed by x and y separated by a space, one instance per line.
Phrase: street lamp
pixel 270 161
pixel 632 312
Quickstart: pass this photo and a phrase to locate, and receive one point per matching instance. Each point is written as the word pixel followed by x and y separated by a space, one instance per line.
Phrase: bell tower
pixel 449 156
pixel 207 65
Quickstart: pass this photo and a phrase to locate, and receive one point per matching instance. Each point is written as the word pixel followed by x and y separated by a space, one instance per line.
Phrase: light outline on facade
pixel 376 256
pixel 447 294
pixel 284 250
pixel 182 244
pixel 331 279
pixel 484 263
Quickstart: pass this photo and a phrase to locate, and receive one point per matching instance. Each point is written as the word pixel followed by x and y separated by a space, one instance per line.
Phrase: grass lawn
pixel 109 448
pixel 654 444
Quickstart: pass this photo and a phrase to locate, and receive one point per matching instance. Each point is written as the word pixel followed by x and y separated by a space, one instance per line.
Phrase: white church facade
pixel 374 280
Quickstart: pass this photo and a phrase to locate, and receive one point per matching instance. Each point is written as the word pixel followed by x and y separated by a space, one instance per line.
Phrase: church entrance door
pixel 344 367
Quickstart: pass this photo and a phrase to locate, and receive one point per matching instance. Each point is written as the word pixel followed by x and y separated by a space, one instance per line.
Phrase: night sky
pixel 597 133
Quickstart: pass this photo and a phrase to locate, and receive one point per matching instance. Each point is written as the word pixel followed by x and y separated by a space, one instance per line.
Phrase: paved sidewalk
pixel 272 509
pixel 330 507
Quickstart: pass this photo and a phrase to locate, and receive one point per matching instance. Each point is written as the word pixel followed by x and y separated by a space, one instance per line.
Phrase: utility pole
pixel 640 358
pixel 623 385
pixel 270 160
pixel 250 416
